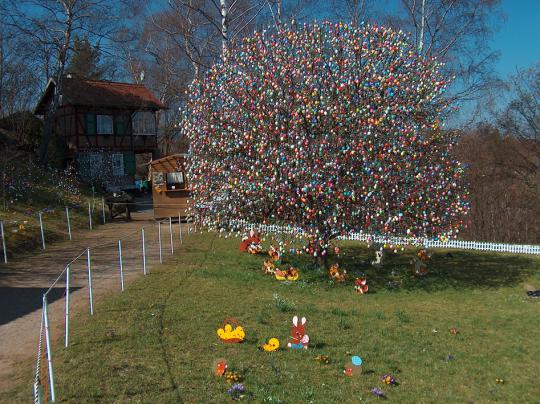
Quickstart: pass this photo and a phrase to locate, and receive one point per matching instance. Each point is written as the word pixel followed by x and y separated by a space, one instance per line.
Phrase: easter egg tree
pixel 328 128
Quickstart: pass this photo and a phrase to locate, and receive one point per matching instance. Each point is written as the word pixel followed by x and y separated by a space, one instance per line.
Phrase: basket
pixel 234 324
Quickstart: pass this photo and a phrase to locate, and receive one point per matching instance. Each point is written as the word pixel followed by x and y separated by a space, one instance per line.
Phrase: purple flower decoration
pixel 378 392
pixel 388 379
pixel 236 391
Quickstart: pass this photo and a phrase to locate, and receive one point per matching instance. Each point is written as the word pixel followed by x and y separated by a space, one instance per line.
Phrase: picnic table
pixel 119 203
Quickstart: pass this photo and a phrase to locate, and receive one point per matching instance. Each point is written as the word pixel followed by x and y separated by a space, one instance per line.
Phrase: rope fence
pixel 101 261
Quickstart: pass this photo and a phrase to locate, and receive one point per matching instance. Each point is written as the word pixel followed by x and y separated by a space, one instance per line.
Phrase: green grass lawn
pixel 156 342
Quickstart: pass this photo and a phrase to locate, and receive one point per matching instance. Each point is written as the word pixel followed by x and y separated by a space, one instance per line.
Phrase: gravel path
pixel 24 280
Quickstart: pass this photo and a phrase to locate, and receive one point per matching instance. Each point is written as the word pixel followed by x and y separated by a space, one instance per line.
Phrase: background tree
pixel 46 29
pixel 326 127
pixel 521 117
pixel 84 61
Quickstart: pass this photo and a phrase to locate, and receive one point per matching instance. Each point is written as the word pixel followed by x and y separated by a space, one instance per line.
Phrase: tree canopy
pixel 85 61
pixel 328 128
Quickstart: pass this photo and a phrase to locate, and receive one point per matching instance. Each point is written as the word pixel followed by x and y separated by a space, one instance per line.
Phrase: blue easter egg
pixel 356 360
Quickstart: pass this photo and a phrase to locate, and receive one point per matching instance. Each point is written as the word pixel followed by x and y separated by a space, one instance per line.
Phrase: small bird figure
pixel 271 346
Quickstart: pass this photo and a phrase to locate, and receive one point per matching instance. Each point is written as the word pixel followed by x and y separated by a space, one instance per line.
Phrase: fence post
pixel 66 337
pixel 143 251
pixel 68 222
pixel 42 233
pixel 3 241
pixel 48 347
pixel 103 210
pixel 90 293
pixel 89 216
pixel 170 232
pixel 159 236
pixel 180 228
pixel 121 264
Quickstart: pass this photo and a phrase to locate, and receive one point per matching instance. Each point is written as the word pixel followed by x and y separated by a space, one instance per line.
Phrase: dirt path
pixel 23 282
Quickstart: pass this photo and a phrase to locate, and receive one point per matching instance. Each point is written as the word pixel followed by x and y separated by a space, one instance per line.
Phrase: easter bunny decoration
pixel 299 337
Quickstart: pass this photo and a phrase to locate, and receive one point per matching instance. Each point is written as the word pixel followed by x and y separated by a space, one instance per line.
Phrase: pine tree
pixel 84 61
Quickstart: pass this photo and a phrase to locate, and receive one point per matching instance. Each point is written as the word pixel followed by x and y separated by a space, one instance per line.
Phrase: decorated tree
pixel 327 128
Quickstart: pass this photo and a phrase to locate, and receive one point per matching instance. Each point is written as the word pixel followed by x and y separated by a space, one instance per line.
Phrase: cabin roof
pixel 167 164
pixel 99 93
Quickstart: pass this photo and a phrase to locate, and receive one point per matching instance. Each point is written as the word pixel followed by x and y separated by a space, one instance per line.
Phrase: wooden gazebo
pixel 170 187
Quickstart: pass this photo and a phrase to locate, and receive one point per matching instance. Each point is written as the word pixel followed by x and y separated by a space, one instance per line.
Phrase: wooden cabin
pixel 104 125
pixel 170 187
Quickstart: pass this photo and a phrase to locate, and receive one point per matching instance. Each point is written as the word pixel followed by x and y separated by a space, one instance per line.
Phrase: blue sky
pixel 518 39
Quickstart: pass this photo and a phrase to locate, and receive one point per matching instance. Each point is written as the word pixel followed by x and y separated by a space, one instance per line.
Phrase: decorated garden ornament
pixel 231 331
pixel 420 262
pixel 361 286
pixel 274 253
pixel 251 243
pixel 299 337
pixel 271 346
pixel 290 274
pixel 354 367
pixel 269 268
pixel 379 255
pixel 336 275
pixel 219 367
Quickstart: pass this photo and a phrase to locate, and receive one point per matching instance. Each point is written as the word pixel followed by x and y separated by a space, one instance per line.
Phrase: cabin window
pixel 176 181
pixel 90 124
pixel 144 123
pixel 104 124
pixel 118 164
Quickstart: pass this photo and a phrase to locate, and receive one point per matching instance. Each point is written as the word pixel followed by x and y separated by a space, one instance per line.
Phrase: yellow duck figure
pixel 271 346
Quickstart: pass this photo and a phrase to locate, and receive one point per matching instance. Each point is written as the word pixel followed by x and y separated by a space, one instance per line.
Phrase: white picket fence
pixel 424 242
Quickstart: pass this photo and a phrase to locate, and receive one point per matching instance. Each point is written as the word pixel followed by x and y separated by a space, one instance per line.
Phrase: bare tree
pixel 521 117
pixel 48 27
pixel 456 32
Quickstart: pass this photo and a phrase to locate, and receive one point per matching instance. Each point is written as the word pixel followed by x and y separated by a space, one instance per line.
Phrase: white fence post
pixel 66 337
pixel 90 292
pixel 121 264
pixel 68 222
pixel 170 231
pixel 89 216
pixel 48 346
pixel 180 228
pixel 41 228
pixel 3 241
pixel 103 210
pixel 159 236
pixel 143 251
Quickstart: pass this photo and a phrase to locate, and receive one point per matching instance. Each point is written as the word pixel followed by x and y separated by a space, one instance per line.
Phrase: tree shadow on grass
pixel 447 269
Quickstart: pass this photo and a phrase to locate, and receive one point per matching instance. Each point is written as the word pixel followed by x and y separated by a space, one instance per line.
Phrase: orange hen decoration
pixel 336 275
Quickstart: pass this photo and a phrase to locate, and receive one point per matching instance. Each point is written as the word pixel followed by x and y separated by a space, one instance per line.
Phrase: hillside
pixel 26 189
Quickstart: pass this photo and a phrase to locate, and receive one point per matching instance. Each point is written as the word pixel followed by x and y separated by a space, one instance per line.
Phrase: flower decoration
pixel 232 377
pixel 388 379
pixel 236 391
pixel 378 392
pixel 323 359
